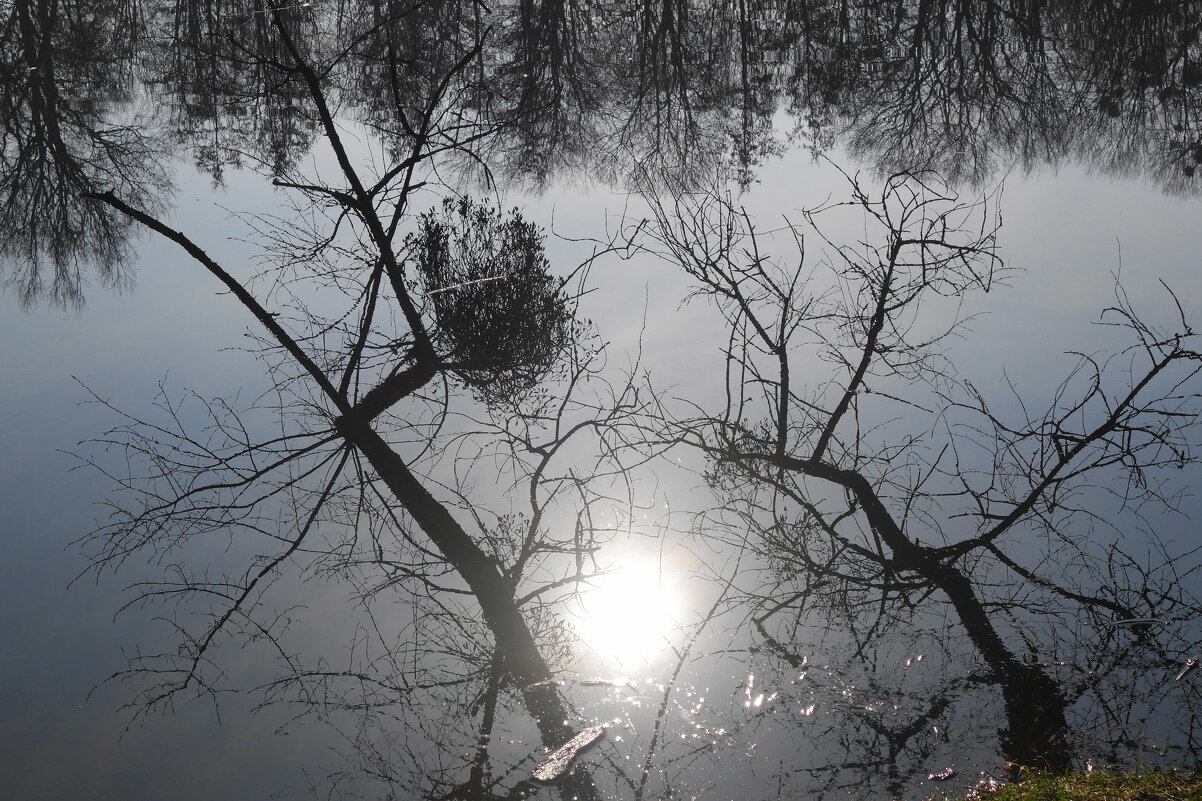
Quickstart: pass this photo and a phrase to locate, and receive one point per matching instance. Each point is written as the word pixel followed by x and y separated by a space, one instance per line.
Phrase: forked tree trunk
pixel 1036 732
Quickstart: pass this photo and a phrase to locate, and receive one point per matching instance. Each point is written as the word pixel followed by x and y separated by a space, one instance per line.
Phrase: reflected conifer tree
pixel 969 88
pixel 227 104
pixel 554 83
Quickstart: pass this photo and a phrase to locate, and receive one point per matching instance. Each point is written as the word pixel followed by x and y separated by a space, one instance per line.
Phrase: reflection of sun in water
pixel 627 614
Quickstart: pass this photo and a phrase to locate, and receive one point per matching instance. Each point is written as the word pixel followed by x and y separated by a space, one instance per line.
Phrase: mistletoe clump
pixel 501 319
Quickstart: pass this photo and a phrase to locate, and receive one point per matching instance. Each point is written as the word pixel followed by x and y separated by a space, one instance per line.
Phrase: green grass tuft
pixel 1099 787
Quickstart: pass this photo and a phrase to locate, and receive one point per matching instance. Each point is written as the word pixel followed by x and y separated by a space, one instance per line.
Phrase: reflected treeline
pixel 621 90
pixel 635 90
pixel 969 87
pixel 624 92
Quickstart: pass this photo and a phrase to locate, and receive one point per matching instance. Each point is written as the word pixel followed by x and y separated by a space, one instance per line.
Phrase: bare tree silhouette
pixel 367 417
pixel 887 493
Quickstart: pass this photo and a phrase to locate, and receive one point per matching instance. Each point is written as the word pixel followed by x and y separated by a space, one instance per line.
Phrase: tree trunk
pixel 1036 729
pixel 520 657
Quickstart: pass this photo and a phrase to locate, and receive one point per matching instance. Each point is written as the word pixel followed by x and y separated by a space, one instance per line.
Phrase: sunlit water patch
pixel 627 615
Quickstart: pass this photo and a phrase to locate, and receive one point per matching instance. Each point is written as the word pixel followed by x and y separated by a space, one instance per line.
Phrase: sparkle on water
pixel 628 614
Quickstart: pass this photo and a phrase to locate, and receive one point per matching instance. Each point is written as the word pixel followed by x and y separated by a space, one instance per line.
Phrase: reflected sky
pixel 1070 231
pixel 63 642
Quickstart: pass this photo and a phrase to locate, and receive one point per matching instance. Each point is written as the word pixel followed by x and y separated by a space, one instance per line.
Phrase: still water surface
pixel 706 622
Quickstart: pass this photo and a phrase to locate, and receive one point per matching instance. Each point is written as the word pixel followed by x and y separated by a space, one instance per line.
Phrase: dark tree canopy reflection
pixel 223 98
pixel 66 78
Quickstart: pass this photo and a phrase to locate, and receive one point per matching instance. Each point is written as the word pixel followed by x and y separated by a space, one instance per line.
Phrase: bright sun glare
pixel 627 614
